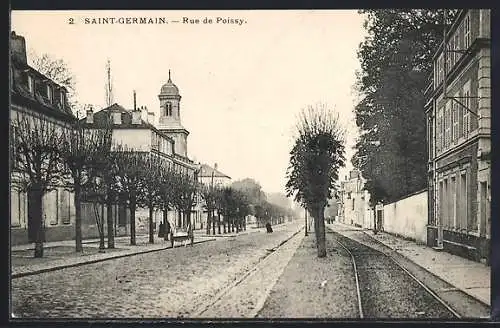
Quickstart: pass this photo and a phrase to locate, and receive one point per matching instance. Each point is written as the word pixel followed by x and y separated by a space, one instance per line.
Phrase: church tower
pixel 170 116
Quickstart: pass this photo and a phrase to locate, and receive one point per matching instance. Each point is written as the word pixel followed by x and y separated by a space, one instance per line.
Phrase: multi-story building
pixel 35 96
pixel 210 176
pixel 354 200
pixel 137 130
pixel 458 130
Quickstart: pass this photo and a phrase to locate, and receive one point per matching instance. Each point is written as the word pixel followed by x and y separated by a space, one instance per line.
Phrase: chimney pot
pixel 136 117
pixel 90 116
pixel 18 47
pixel 151 117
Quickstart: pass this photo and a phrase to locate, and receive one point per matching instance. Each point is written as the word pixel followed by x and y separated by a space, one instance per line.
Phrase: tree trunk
pixel 213 224
pixel 224 225
pixel 167 224
pixel 320 232
pixel 133 207
pixel 78 219
pixel 151 226
pixel 102 244
pixel 109 220
pixel 218 223
pixel 209 220
pixel 36 213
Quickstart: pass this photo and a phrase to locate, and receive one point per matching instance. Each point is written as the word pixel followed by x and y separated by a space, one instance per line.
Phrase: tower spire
pixel 169 80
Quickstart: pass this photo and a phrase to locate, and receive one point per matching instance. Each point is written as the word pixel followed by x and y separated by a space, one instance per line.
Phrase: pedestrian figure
pixel 269 228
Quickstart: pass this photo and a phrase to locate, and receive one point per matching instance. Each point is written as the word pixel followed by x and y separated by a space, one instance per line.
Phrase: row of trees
pixel 45 155
pixel 315 159
pixel 396 63
pixel 230 205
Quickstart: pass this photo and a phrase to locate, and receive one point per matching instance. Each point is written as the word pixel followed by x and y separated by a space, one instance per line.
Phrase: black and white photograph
pixel 250 164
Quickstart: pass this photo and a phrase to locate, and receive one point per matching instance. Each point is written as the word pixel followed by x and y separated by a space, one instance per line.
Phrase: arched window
pixel 168 108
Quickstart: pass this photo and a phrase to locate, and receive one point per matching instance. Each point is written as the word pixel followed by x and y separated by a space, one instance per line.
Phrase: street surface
pixel 170 283
pixel 254 275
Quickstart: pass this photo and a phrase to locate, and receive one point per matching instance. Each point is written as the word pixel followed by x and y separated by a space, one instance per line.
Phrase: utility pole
pixel 109 85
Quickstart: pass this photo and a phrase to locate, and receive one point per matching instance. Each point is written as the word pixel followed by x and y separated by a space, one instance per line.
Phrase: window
pixel 455 121
pixel 31 84
pixel 353 204
pixel 445 201
pixel 348 195
pixel 466 113
pixel 64 206
pixel 49 93
pixel 62 100
pixel 453 202
pixel 463 200
pixel 50 201
pixel 447 124
pixel 439 129
pixel 168 107
pixel 467 36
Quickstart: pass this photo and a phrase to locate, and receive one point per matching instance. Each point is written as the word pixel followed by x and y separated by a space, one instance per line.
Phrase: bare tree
pixel 79 149
pixel 166 195
pixel 130 166
pixel 209 196
pixel 150 195
pixel 57 70
pixel 37 159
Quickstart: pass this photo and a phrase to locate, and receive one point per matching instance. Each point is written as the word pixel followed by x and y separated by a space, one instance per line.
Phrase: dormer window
pixel 117 118
pixel 62 99
pixel 31 84
pixel 49 93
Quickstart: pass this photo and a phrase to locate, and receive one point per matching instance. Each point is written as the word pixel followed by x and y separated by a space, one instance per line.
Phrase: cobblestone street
pixel 168 283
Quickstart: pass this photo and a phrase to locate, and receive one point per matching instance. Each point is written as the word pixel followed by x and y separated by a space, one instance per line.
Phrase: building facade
pixel 354 200
pixel 458 135
pixel 210 176
pixel 135 130
pixel 36 97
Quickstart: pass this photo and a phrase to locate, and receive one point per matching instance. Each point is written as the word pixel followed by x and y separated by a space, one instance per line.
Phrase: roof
pixel 102 118
pixel 207 171
pixel 169 88
pixel 21 94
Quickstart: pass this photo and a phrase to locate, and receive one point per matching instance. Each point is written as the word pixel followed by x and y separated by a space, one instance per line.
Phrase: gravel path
pixel 170 283
pixel 299 292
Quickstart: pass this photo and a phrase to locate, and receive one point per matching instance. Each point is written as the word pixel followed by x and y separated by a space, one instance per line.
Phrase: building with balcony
pixel 458 134
pixel 35 96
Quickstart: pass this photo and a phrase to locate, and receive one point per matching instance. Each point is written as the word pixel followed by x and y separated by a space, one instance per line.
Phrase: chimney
pixel 151 117
pixel 90 116
pixel 215 166
pixel 117 118
pixel 136 116
pixel 18 47
pixel 135 102
pixel 144 113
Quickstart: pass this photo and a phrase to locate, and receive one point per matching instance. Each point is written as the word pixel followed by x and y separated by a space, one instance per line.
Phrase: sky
pixel 242 85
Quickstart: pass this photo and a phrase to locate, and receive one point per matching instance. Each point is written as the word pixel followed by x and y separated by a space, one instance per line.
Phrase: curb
pixel 427 270
pixel 64 266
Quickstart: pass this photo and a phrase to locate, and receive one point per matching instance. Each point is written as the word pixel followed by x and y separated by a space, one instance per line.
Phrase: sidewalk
pixel 61 254
pixel 471 277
